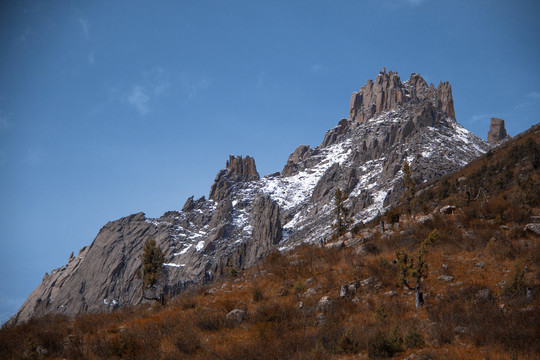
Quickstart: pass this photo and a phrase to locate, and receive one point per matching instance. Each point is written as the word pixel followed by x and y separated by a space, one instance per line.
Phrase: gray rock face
pixel 267 232
pixel 198 242
pixel 100 277
pixel 237 169
pixel 300 154
pixel 237 316
pixel 387 92
pixel 246 216
pixel 497 131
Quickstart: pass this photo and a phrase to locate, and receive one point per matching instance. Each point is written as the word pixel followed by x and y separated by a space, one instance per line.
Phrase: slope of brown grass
pixel 482 312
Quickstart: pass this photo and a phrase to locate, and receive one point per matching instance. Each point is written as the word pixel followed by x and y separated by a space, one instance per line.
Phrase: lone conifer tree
pixel 152 261
pixel 415 266
pixel 342 214
pixel 410 186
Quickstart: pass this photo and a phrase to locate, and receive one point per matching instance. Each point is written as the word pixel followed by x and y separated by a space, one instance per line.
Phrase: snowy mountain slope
pixel 246 216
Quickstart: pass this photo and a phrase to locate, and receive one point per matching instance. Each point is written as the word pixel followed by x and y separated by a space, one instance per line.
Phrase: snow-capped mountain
pixel 246 216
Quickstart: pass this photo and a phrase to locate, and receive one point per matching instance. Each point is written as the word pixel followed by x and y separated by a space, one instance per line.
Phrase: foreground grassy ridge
pixel 478 309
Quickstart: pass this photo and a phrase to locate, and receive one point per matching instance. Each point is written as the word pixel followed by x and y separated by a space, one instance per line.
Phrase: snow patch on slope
pixel 291 191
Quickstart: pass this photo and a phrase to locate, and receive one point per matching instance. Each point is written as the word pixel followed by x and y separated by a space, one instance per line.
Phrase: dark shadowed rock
pixel 334 135
pixel 100 276
pixel 293 163
pixel 237 316
pixel 497 131
pixel 267 231
pixel 295 159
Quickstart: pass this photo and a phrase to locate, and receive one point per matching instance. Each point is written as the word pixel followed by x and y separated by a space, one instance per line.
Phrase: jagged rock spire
pixel 237 169
pixel 387 92
pixel 497 131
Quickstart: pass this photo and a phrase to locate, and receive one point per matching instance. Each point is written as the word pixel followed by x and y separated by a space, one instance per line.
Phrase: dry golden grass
pixel 481 313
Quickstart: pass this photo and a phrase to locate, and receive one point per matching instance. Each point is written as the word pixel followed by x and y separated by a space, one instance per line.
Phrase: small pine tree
pixel 343 222
pixel 152 263
pixel 415 266
pixel 516 286
pixel 410 186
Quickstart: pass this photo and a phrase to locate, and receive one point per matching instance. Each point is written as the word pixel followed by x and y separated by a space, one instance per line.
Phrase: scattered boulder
pixel 343 291
pixel 446 278
pixel 366 281
pixel 237 316
pixel 534 228
pixel 334 245
pixel 324 303
pixel 483 295
pixel 529 293
pixel 448 209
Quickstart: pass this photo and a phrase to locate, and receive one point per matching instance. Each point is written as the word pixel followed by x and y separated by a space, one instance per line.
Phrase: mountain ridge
pixel 347 299
pixel 246 216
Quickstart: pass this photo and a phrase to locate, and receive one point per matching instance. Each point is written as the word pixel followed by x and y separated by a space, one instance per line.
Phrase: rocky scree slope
pixel 246 216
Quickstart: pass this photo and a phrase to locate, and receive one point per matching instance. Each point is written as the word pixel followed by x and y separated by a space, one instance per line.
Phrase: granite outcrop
pixel 246 216
pixel 497 131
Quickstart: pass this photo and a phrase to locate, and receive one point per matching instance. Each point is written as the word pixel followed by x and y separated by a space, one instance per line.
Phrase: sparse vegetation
pixel 343 221
pixel 415 266
pixel 479 310
pixel 410 187
pixel 152 263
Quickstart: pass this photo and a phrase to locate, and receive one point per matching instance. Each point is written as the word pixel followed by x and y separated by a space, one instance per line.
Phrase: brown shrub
pixel 208 319
pixel 384 271
pixel 484 322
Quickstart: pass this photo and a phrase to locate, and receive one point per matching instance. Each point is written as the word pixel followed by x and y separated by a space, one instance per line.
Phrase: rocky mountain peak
pixel 244 168
pixel 387 92
pixel 247 217
pixel 497 131
pixel 237 169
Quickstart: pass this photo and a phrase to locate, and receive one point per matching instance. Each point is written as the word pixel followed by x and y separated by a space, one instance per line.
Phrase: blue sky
pixel 108 108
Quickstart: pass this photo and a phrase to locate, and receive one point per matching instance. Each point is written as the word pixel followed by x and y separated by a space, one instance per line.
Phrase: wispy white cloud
pixel 85 28
pixel 194 87
pixel 153 84
pixel 531 99
pixel 91 58
pixel 138 98
pixel 158 80
pixel 534 95
pixel 479 117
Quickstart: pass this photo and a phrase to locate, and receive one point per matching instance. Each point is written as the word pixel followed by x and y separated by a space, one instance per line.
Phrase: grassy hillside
pixel 481 288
